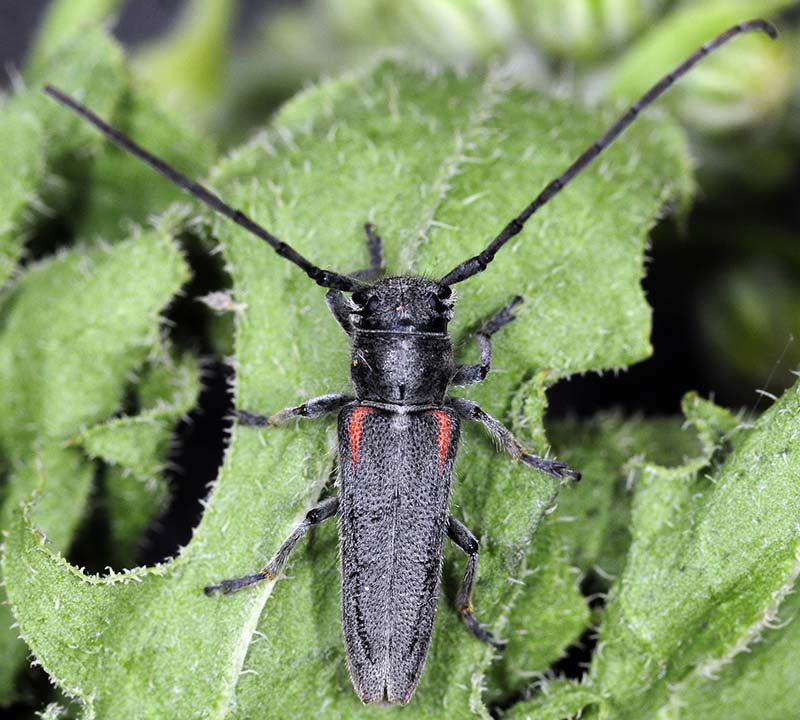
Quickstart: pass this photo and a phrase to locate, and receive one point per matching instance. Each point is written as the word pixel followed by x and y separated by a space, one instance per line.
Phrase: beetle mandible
pixel 398 435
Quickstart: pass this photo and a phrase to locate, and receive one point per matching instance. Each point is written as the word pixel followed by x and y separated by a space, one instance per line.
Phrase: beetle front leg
pixel 471 411
pixel 472 374
pixel 317 514
pixel 375 251
pixel 462 537
pixel 310 409
pixel 337 303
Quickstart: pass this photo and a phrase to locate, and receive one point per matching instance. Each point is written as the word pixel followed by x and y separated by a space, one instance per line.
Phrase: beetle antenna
pixel 325 278
pixel 478 263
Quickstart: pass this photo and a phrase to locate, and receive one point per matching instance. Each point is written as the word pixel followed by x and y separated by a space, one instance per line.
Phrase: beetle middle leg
pixel 310 409
pixel 471 411
pixel 472 374
pixel 462 537
pixel 319 513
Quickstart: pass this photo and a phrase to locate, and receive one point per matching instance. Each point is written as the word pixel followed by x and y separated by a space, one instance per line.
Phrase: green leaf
pixel 439 163
pixel 58 376
pixel 189 64
pixel 759 684
pixel 49 164
pixel 595 518
pixel 72 330
pixel 586 534
pixel 714 553
pixel 21 169
pixel 134 449
pixel 63 21
pixel 62 479
pixel 549 615
pixel 122 190
pixel 92 68
pixel 559 699
pixel 34 130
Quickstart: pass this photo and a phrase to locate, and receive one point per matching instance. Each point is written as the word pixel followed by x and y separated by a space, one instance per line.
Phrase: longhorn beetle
pixel 399 433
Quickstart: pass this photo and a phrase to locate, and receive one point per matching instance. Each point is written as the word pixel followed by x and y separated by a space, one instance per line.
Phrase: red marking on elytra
pixel 443 436
pixel 354 430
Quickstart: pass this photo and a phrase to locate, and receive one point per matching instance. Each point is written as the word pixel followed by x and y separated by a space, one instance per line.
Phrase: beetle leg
pixel 462 537
pixel 472 374
pixel 340 309
pixel 336 301
pixel 310 409
pixel 375 250
pixel 471 411
pixel 317 514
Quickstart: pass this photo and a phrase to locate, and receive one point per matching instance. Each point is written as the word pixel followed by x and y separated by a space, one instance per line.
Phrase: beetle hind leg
pixel 462 537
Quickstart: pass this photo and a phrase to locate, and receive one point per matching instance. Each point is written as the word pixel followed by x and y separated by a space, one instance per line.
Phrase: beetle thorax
pixel 402 354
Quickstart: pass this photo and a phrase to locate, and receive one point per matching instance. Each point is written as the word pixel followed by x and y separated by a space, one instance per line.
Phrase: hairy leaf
pixel 439 163
pixel 73 328
pixel 714 553
pixel 585 539
pixel 123 191
pixel 559 699
pixel 34 131
pixel 595 518
pixel 49 160
pixel 134 449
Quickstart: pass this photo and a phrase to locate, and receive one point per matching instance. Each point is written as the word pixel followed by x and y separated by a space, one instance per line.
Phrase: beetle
pixel 398 434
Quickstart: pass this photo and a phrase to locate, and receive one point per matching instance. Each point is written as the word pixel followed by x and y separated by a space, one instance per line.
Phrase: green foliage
pixel 62 23
pixel 713 555
pixel 36 136
pixel 59 377
pixel 689 530
pixel 595 521
pixel 134 448
pixel 439 179
pixel 77 325
pixel 559 699
pixel 189 65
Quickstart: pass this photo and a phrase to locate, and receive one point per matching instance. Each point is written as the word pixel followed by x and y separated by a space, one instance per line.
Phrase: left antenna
pixel 325 278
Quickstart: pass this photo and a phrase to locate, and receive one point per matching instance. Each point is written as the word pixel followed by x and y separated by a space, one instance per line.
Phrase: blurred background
pixel 723 277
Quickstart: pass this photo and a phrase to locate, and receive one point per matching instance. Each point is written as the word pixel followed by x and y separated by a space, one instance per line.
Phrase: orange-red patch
pixel 354 430
pixel 443 436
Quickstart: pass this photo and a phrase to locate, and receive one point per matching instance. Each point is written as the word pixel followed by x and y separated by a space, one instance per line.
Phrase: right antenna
pixel 478 263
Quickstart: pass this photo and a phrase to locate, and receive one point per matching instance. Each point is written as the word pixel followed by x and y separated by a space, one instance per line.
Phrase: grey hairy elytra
pixel 399 431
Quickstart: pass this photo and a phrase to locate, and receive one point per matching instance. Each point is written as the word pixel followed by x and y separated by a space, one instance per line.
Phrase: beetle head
pixel 403 304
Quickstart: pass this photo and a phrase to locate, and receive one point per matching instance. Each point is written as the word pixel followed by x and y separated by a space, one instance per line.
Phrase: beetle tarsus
pixel 234 584
pixel 555 468
pixel 248 419
pixel 479 631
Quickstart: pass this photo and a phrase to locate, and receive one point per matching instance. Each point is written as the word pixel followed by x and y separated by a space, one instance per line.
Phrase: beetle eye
pixel 444 293
pixel 359 297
